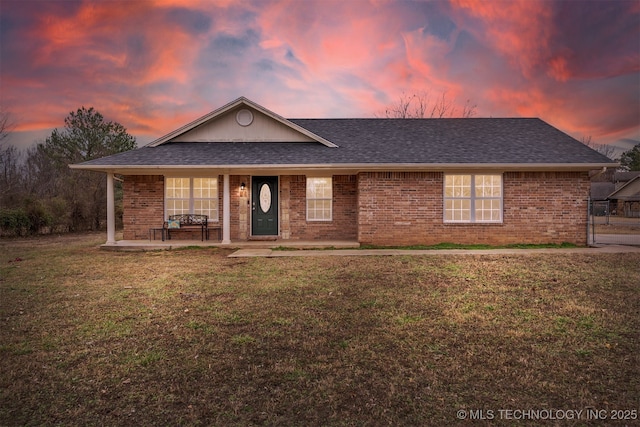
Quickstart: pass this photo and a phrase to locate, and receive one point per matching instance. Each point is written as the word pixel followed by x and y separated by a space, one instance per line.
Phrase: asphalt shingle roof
pixel 381 141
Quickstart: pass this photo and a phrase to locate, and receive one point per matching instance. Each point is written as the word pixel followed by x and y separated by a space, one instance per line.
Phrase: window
pixel 192 195
pixel 319 199
pixel 473 198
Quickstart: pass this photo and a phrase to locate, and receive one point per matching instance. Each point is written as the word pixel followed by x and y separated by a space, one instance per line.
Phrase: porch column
pixel 226 211
pixel 111 211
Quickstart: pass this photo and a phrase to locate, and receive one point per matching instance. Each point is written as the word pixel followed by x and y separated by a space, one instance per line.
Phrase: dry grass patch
pixel 191 337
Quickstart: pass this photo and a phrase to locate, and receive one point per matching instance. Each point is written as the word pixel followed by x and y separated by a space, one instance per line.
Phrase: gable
pixel 629 191
pixel 242 124
pixel 241 121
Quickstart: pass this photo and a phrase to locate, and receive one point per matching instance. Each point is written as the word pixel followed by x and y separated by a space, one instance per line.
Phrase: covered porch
pixel 239 196
pixel 111 222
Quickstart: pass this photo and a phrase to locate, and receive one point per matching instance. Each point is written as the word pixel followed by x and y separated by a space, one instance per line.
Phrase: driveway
pixel 617 239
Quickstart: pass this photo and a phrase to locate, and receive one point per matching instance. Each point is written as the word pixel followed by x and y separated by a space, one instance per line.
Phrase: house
pixel 374 181
pixel 616 193
pixel 626 198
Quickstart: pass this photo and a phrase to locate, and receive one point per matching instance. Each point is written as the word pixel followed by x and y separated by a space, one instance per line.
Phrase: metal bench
pixel 186 222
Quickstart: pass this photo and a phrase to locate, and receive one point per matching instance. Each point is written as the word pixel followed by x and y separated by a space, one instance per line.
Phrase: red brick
pixel 391 208
pixel 406 208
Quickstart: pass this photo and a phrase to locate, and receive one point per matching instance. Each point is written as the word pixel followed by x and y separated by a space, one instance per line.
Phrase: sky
pixel 154 66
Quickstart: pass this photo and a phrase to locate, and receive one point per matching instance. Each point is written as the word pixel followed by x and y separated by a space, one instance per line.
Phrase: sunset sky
pixel 153 66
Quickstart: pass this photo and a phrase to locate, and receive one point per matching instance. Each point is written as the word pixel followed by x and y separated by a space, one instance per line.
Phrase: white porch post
pixel 226 211
pixel 111 211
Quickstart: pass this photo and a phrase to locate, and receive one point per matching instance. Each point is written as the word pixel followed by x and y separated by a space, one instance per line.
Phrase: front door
pixel 264 206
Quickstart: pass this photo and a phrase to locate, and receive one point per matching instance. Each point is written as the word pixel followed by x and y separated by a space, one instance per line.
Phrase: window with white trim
pixel 191 195
pixel 319 199
pixel 473 198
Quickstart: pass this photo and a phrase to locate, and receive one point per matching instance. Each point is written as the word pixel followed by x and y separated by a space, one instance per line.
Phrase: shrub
pixel 57 206
pixel 39 216
pixel 14 222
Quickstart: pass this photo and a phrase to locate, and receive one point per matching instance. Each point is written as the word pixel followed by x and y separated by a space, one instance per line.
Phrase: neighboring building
pixel 618 193
pixel 374 181
pixel 626 198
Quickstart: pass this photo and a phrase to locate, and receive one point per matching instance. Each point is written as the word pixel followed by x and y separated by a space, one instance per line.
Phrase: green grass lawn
pixel 190 337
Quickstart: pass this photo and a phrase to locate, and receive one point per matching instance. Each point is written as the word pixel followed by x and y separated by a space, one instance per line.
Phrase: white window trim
pixel 330 199
pixel 191 198
pixel 472 198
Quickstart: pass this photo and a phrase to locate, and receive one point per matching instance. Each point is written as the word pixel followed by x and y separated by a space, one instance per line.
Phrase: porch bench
pixel 186 222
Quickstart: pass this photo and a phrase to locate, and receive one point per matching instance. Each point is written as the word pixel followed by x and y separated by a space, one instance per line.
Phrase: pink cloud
pixel 567 63
pixel 155 65
pixel 95 40
pixel 106 54
pixel 518 30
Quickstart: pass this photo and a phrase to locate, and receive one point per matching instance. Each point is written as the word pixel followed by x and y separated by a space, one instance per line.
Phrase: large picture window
pixel 473 198
pixel 192 195
pixel 319 199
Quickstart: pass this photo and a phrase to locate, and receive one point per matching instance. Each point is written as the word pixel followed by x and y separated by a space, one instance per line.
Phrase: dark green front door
pixel 264 206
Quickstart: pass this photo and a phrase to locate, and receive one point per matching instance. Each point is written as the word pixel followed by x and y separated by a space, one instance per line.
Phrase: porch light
pixel 242 186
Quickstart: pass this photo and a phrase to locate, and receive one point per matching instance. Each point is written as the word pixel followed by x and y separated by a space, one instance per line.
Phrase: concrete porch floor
pixel 154 245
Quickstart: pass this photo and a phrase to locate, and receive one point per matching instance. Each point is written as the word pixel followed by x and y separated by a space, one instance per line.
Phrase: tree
pixel 20 212
pixel 6 125
pixel 10 182
pixel 86 136
pixel 630 160
pixel 421 105
pixel 607 150
pixel 10 176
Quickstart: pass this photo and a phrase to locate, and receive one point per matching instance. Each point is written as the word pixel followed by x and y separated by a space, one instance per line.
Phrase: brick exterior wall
pixel 405 208
pixel 293 223
pixel 344 224
pixel 390 208
pixel 240 209
pixel 143 203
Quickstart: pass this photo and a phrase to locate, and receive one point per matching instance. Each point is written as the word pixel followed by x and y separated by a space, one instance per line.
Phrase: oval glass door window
pixel 265 198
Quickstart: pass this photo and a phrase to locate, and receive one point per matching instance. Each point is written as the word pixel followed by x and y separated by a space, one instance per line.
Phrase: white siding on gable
pixel 226 129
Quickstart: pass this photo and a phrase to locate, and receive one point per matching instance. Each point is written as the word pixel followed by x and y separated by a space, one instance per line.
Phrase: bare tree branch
pixel 420 106
pixel 469 110
pixel 605 149
pixel 6 125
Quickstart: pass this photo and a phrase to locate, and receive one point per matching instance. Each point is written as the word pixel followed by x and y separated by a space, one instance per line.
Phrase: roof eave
pixel 350 168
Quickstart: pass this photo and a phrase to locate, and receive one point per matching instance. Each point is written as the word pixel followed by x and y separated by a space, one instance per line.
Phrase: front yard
pixel 190 337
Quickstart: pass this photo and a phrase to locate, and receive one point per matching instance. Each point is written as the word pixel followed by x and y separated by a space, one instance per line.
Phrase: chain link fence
pixel 609 227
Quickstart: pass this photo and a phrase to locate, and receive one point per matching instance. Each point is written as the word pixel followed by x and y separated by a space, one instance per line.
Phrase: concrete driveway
pixel 617 239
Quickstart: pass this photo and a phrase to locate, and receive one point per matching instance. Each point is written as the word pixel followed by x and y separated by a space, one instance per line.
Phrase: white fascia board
pixel 222 110
pixel 350 168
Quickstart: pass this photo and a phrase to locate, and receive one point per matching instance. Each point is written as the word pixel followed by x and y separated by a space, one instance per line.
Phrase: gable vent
pixel 244 117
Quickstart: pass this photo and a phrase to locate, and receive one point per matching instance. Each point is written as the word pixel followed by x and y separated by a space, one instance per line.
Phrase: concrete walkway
pixel 270 253
pixel 155 245
pixel 339 248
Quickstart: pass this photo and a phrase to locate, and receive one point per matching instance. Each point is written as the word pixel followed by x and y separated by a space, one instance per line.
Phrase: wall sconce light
pixel 242 187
